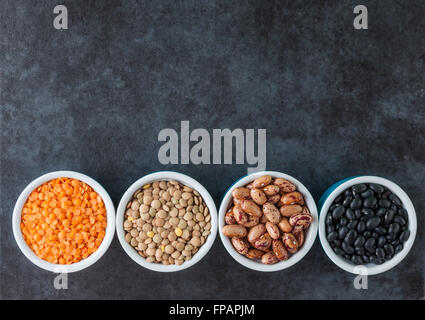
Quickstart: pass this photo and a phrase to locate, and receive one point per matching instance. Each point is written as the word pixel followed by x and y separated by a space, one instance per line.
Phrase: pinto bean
pixel 240 245
pixel 274 199
pixel 251 208
pixel 279 250
pixel 284 185
pixel 271 212
pixel 292 197
pixel 284 225
pixel 263 242
pixel 290 242
pixel 252 221
pixel 229 218
pixel 240 216
pixel 255 232
pixel 273 230
pixel 241 193
pixel 263 219
pixel 269 258
pixel 262 181
pixel 258 196
pixel 271 190
pixel 254 254
pixel 301 219
pixel 298 232
pixel 234 230
pixel 290 210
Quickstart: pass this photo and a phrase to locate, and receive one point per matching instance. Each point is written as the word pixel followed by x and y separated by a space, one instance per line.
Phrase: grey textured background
pixel 335 102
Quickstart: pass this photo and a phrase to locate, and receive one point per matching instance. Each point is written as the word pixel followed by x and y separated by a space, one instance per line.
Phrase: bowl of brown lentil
pixel 166 221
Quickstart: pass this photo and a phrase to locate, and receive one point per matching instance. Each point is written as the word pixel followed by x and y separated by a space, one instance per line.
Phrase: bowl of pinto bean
pixel 268 221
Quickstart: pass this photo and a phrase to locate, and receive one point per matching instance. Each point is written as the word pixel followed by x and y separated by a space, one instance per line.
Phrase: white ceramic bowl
pixel 58 268
pixel 158 176
pixel 310 235
pixel 367 269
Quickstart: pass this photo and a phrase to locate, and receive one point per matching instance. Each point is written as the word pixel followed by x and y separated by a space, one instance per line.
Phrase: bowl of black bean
pixel 367 224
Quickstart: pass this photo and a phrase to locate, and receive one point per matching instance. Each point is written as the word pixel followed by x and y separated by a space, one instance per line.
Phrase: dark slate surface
pixel 335 103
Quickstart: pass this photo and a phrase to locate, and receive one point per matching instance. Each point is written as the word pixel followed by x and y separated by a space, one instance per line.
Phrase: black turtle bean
pixel 370 202
pixel 350 236
pixel 403 212
pixel 342 232
pixel 380 212
pixel 394 199
pixel 375 235
pixel 338 251
pixel 330 229
pixel 360 251
pixel 332 236
pixel 381 230
pixel 356 259
pixel 358 213
pixel 398 248
pixel 329 220
pixel 361 227
pixel 343 221
pixel 347 201
pixel 347 248
pixel 389 257
pixel 384 203
pixel 394 228
pixel 400 220
pixel 356 203
pixel 338 212
pixel 377 188
pixel 391 237
pixel 365 259
pixel 395 242
pixel 404 236
pixel 367 194
pixel 332 207
pixel 389 249
pixel 349 213
pixel 370 244
pixel 373 222
pixel 359 188
pixel 389 216
pixel 348 193
pixel 368 212
pixel 367 234
pixel 359 242
pixel 337 242
pixel 381 241
pixel 352 224
pixel 375 259
pixel 380 253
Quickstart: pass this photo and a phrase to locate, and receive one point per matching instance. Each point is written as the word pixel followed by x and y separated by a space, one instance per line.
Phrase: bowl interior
pixel 57 268
pixel 158 176
pixel 310 235
pixel 369 268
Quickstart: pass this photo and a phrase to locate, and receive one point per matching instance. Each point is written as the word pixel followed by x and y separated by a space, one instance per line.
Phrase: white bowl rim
pixel 368 269
pixel 58 268
pixel 158 176
pixel 309 238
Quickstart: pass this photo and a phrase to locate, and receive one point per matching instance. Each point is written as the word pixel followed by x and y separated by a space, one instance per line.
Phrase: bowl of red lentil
pixel 64 221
